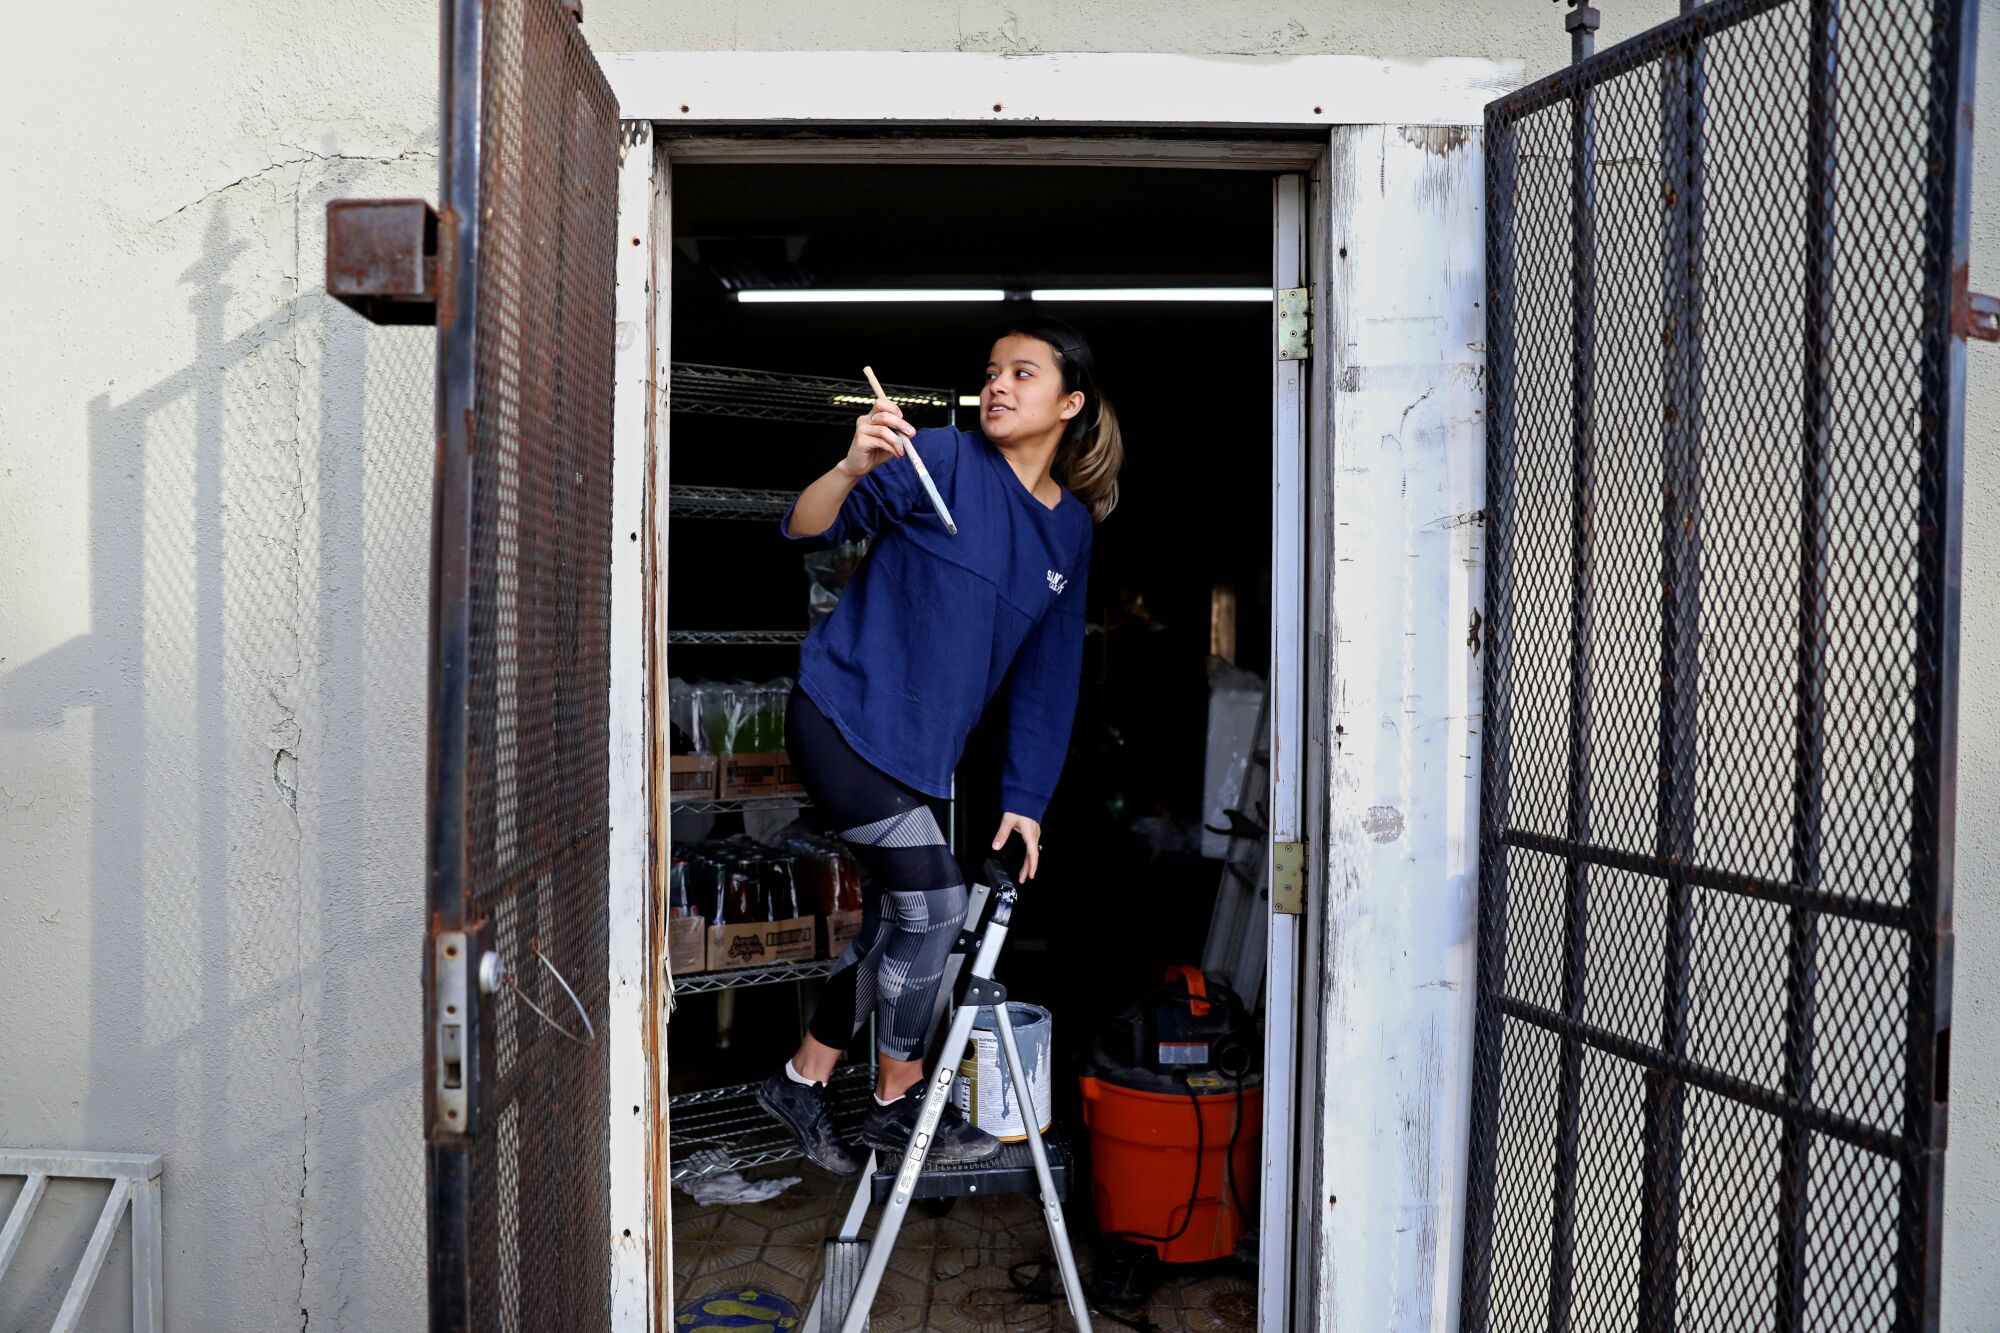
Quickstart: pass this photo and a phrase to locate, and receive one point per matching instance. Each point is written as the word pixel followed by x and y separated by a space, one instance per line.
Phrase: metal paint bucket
pixel 984 1093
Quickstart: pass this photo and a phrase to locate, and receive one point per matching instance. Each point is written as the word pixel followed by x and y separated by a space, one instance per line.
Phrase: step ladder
pixel 852 1270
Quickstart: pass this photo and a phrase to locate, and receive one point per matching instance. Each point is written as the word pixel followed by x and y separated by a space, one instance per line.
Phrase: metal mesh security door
pixel 515 1102
pixel 1724 424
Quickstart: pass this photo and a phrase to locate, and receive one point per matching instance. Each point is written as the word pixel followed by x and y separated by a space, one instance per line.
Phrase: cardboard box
pixel 835 930
pixel 761 774
pixel 687 945
pixel 761 943
pixel 691 777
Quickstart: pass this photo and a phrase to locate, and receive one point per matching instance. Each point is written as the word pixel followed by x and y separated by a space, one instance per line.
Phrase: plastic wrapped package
pixel 1235 702
pixel 741 717
pixel 720 714
pixel 684 717
pixel 827 573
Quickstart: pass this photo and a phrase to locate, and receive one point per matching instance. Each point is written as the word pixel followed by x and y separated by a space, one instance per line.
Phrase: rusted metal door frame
pixel 466 966
pixel 447 1161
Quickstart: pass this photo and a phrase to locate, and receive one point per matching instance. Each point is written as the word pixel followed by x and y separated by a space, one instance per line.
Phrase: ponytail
pixel 1092 448
pixel 1090 464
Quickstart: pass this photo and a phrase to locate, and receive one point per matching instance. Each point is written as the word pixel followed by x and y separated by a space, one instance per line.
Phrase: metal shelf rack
pixel 817 400
pixel 727 502
pixel 692 637
pixel 723 1129
pixel 738 806
pixel 703 982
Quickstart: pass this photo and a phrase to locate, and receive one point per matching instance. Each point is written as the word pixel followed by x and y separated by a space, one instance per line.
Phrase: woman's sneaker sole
pixel 941 1153
pixel 847 1166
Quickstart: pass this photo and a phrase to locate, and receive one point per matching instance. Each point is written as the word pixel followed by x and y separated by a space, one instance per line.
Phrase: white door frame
pixel 1392 469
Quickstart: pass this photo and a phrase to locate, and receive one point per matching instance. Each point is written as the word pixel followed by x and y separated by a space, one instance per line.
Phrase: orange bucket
pixel 1143 1158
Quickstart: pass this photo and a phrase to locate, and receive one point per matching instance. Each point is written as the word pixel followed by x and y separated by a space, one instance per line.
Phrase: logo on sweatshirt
pixel 1057 582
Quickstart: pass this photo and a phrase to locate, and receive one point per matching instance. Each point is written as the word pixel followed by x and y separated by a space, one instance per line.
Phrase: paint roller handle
pixel 884 403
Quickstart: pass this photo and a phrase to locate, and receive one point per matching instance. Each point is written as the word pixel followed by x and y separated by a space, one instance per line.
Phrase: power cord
pixel 1236 1068
pixel 1194 1190
pixel 1036 1290
pixel 1028 1288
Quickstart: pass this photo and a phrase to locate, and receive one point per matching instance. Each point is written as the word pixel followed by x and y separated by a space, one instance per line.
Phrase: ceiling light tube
pixel 838 294
pixel 1151 294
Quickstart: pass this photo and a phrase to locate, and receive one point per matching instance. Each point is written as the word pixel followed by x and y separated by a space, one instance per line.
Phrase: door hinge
pixel 1294 324
pixel 1288 878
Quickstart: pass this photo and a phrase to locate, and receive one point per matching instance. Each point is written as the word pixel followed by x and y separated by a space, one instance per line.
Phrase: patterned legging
pixel 913 895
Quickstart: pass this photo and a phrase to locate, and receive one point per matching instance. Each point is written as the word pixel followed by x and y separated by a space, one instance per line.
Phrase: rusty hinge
pixel 1294 324
pixel 1288 878
pixel 381 258
pixel 1979 317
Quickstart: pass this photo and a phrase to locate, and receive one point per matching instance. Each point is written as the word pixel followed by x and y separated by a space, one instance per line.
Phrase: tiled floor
pixel 947 1274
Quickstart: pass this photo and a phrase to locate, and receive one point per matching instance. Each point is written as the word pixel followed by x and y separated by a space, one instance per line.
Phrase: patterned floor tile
pixel 794 1261
pixel 913 1262
pixel 1219 1303
pixel 900 1291
pixel 949 1263
pixel 897 1319
pixel 698 1266
pixel 948 1232
pixel 986 1304
pixel 947 1274
pixel 806 1231
pixel 731 1228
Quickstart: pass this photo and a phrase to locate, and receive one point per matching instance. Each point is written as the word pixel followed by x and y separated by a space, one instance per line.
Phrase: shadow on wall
pixel 253 688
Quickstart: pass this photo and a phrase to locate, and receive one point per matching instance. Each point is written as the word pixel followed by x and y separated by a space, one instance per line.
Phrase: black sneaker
pixel 801 1108
pixel 887 1130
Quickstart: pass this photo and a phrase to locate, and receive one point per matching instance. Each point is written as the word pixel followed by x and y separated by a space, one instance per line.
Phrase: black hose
pixel 1194 1190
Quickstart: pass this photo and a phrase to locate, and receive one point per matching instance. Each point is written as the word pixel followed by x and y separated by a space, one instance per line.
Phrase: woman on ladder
pixel 891 684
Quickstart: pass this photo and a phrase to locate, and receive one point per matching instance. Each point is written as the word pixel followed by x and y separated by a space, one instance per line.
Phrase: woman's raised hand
pixel 878 435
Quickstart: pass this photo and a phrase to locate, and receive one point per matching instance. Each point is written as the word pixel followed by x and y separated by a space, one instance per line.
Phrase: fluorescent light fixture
pixel 968 400
pixel 1151 294
pixel 837 294
pixel 913 399
pixel 864 295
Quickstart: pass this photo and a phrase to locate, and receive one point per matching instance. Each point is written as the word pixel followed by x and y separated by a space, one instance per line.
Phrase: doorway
pixel 1181 603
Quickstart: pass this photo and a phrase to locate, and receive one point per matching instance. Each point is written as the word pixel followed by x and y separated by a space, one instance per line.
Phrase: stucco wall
pixel 213 508
pixel 214 501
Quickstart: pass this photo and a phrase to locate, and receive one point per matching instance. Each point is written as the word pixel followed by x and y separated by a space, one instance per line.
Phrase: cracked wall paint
pixel 211 709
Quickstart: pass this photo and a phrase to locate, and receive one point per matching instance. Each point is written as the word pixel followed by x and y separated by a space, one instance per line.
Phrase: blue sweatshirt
pixel 932 626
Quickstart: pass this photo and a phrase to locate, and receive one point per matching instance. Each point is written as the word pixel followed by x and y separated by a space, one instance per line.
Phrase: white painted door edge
pixel 1289 268
pixel 630 878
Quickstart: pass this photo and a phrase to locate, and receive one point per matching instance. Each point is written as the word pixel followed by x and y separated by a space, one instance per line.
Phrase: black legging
pixel 913 896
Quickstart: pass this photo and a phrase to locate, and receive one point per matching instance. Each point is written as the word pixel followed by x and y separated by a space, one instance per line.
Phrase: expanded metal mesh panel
pixel 539 613
pixel 1718 643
